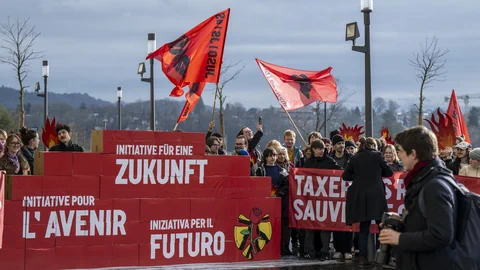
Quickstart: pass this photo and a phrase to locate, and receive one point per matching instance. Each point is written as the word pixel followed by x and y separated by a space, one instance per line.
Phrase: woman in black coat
pixel 366 196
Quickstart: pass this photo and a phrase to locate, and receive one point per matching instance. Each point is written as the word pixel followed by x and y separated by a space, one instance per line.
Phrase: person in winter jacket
pixel 472 170
pixel 462 157
pixel 390 154
pixel 12 160
pixel 426 242
pixel 283 159
pixel 253 141
pixel 318 160
pixel 295 154
pixel 64 133
pixel 30 140
pixel 342 241
pixel 279 178
pixel 217 135
pixel 351 147
pixel 366 196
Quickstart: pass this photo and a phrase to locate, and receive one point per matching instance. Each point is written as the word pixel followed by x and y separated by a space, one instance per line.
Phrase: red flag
pixel 197 55
pixel 193 95
pixel 295 88
pixel 456 114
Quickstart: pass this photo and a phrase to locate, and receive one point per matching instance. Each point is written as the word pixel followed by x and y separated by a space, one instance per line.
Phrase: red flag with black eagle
pixel 295 88
pixel 197 55
pixel 193 95
pixel 459 124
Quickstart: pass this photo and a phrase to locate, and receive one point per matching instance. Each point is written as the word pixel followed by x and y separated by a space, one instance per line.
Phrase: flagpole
pixel 295 126
pixel 214 102
pixel 175 128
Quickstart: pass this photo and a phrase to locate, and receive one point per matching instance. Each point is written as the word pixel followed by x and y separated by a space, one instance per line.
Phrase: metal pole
pixel 152 98
pixel 119 114
pixel 368 77
pixel 325 119
pixel 45 100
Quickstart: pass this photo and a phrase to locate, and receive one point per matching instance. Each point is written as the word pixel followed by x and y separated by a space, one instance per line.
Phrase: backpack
pixel 467 229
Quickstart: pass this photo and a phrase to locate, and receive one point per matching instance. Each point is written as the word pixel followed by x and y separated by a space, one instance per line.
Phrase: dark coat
pixel 28 154
pixel 454 166
pixel 70 147
pixel 347 154
pixel 366 196
pixel 324 162
pixel 396 167
pixel 282 187
pixel 426 242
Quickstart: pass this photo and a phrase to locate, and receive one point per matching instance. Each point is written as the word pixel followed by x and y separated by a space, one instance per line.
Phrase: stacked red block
pixel 90 210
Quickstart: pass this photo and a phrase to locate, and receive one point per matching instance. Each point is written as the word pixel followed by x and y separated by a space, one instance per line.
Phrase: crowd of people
pixel 17 151
pixel 364 163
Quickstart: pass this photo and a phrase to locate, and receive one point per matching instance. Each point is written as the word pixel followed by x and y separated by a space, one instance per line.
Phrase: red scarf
pixel 416 169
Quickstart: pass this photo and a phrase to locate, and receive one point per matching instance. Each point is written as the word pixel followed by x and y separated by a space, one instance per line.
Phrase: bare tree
pixel 221 96
pixel 19 39
pixel 429 66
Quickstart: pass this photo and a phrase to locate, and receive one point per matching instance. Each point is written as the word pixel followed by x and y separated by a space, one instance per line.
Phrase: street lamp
pixel 45 74
pixel 152 46
pixel 352 34
pixel 119 117
pixel 105 121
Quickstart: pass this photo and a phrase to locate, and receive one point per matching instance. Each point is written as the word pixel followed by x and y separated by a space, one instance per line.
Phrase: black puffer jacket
pixel 28 154
pixel 70 147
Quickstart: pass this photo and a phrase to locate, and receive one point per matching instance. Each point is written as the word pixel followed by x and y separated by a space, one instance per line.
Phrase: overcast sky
pixel 93 46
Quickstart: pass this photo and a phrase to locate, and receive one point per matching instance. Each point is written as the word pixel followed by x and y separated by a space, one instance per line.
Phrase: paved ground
pixel 290 263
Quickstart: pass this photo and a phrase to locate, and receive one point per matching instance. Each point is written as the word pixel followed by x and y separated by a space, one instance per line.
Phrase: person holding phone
pixel 253 140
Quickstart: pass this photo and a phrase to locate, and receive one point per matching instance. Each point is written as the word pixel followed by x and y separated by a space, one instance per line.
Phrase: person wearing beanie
pixel 351 147
pixel 342 241
pixel 473 169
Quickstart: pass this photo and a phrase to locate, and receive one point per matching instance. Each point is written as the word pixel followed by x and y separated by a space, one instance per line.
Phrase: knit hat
pixel 242 152
pixel 350 143
pixel 337 138
pixel 475 154
pixel 463 145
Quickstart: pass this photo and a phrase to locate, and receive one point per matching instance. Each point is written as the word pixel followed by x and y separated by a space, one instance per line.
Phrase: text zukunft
pixel 159 171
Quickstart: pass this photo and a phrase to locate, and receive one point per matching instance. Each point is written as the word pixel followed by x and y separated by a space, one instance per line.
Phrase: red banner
pixel 197 55
pixel 295 88
pixel 2 204
pixel 139 202
pixel 318 198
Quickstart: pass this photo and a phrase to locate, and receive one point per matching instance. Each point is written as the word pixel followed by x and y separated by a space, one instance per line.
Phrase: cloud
pixel 94 46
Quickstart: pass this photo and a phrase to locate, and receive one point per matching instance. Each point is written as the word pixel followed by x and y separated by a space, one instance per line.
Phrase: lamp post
pixel 352 33
pixel 152 45
pixel 119 117
pixel 105 121
pixel 45 73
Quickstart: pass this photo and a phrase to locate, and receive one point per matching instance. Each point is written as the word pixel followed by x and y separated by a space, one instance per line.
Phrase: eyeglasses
pixel 15 143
